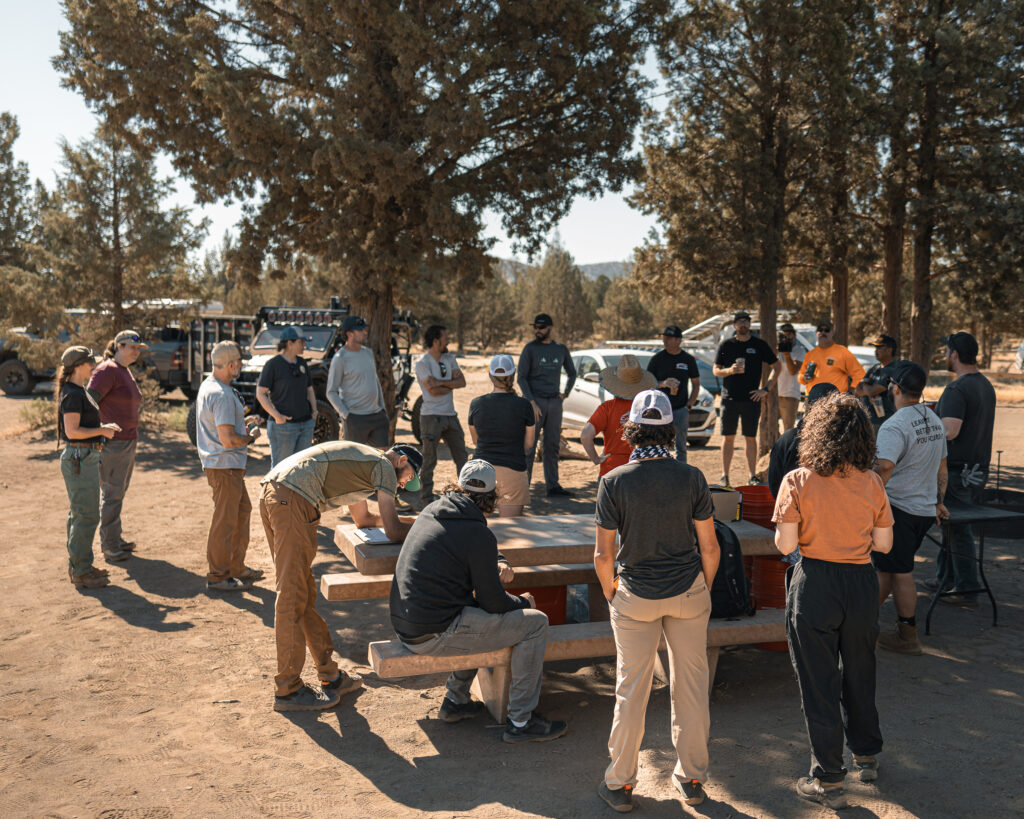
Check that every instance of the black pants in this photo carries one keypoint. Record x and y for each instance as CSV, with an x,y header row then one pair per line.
x,y
550,424
832,625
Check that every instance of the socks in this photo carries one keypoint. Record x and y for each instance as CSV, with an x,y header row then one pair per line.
x,y
908,621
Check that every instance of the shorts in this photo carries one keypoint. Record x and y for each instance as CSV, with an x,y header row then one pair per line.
x,y
908,533
513,486
748,413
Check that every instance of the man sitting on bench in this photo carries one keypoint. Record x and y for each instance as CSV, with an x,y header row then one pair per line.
x,y
447,599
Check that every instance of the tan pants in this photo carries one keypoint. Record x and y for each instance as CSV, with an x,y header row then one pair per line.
x,y
290,522
787,411
228,540
638,624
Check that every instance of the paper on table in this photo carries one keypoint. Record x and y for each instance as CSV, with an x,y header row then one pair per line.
x,y
372,534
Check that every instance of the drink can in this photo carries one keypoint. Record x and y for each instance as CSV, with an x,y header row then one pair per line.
x,y
741,365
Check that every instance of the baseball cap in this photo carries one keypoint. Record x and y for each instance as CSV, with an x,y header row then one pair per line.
x,y
787,328
819,391
651,407
824,326
73,356
742,314
502,364
673,331
478,476
964,345
415,461
910,377
883,341
543,319
353,323
130,337
292,334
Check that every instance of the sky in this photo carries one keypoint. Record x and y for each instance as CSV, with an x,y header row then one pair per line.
x,y
601,230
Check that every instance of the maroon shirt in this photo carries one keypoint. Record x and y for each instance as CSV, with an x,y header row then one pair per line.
x,y
118,396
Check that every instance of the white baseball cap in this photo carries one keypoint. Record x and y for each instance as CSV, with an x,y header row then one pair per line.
x,y
502,364
478,476
652,408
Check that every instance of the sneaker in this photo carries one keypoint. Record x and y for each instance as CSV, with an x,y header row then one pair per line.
x,y
116,555
537,729
343,683
228,584
100,572
962,600
620,799
454,711
90,580
307,699
811,789
557,491
866,767
127,546
251,574
723,481
753,481
902,639
692,791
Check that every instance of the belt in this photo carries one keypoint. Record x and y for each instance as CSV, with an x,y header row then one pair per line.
x,y
98,446
415,641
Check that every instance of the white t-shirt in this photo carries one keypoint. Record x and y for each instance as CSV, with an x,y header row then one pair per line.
x,y
915,440
442,370
789,387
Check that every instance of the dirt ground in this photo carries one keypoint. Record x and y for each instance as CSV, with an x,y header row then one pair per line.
x,y
151,698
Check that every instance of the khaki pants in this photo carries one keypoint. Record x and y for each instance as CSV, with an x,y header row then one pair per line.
x,y
228,540
787,411
290,522
638,624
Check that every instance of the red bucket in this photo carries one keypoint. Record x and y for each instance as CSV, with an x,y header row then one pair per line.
x,y
768,585
550,600
758,505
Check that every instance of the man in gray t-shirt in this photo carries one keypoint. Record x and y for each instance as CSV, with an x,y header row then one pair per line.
x,y
353,388
911,449
439,376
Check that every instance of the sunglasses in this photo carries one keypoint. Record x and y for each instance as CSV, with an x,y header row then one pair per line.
x,y
444,369
132,339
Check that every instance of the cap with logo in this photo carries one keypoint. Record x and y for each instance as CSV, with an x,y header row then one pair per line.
x,y
910,377
353,323
884,341
542,320
627,378
292,334
964,345
415,458
673,331
478,476
651,407
741,315
502,365
73,356
130,337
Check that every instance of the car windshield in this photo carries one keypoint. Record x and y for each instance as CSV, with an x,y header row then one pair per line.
x,y
319,337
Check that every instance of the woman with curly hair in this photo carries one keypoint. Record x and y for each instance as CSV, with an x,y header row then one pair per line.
x,y
834,507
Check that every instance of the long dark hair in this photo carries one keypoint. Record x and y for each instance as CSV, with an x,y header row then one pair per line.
x,y
837,436
486,502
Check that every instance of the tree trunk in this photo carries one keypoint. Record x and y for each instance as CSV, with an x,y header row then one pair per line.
x,y
838,243
116,254
378,308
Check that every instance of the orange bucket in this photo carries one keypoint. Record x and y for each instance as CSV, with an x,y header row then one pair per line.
x,y
550,600
768,585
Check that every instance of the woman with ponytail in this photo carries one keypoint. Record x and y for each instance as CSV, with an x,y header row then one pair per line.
x,y
79,426
502,427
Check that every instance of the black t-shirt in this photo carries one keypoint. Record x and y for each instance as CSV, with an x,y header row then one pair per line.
x,y
500,420
288,384
881,375
756,352
653,505
682,366
75,399
972,399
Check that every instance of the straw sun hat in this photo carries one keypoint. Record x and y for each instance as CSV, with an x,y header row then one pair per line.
x,y
627,378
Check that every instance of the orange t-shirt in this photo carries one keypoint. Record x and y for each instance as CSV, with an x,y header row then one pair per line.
x,y
835,514
608,419
835,364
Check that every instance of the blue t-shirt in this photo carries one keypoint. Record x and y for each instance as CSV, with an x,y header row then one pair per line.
x,y
218,404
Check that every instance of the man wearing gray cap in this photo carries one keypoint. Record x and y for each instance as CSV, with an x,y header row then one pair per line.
x,y
353,388
447,599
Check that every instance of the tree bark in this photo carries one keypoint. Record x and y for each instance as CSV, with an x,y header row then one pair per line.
x,y
377,307
116,254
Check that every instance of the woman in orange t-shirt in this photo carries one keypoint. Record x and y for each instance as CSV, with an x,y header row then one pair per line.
x,y
834,507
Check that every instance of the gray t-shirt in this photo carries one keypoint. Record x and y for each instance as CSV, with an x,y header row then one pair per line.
x,y
653,505
352,384
218,404
442,370
915,440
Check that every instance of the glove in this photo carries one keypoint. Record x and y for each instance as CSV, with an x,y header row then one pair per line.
x,y
972,477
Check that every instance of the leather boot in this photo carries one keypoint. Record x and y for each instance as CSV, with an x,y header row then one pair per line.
x,y
902,639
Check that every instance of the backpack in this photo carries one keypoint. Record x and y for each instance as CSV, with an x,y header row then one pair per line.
x,y
730,591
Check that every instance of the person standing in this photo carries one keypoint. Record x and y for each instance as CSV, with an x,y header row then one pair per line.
x,y
967,408
739,363
294,495
353,388
834,509
222,440
678,377
791,354
653,504
119,397
540,369
84,434
439,376
285,391
624,381
873,389
911,450
830,362
502,426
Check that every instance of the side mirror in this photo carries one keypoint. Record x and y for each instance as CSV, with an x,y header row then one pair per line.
x,y
593,378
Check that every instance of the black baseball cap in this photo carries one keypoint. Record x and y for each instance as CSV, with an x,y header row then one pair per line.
x,y
353,323
819,391
542,320
673,331
788,328
742,314
964,345
910,377
884,341
824,327
415,458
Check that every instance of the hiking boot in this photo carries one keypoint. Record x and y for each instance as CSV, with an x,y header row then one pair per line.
x,y
866,766
116,555
620,799
307,699
251,574
342,684
902,640
833,797
557,491
228,584
100,572
537,729
692,791
90,580
455,711
127,546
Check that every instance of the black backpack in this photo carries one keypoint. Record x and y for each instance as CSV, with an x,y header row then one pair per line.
x,y
730,592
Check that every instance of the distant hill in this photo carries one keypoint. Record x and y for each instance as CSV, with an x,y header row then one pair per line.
x,y
510,267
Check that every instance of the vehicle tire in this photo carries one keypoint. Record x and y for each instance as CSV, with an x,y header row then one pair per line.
x,y
415,422
189,393
697,443
190,424
327,425
15,379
